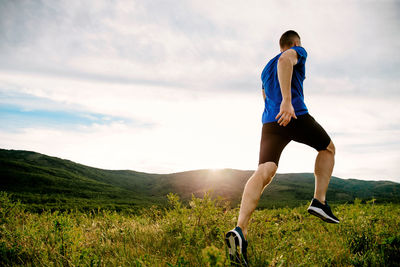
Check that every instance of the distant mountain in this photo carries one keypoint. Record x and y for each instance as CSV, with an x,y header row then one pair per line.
x,y
42,181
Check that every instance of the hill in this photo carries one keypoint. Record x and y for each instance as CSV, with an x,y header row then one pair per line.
x,y
41,181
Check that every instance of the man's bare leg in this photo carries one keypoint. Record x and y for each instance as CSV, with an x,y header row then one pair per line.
x,y
323,170
252,192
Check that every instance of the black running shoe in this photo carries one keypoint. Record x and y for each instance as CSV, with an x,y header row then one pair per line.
x,y
237,247
322,211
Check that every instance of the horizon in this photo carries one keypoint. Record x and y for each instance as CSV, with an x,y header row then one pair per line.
x,y
212,170
159,87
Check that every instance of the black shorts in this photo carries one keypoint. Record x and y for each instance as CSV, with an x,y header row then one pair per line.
x,y
305,129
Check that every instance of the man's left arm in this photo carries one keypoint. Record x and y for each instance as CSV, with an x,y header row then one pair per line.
x,y
285,70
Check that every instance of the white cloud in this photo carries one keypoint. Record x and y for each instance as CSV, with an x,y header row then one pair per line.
x,y
203,130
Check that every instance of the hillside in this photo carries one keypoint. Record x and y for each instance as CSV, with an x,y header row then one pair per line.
x,y
42,181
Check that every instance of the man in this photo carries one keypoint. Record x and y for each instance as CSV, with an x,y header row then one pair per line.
x,y
285,118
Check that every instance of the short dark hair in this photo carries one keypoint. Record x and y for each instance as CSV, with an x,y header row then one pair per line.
x,y
287,39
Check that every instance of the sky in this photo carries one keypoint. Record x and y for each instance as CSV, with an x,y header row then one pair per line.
x,y
168,86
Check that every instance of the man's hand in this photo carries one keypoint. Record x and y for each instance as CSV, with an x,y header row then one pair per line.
x,y
286,113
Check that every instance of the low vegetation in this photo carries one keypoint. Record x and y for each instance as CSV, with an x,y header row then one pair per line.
x,y
193,235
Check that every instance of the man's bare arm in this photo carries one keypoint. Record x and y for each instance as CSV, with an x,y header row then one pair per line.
x,y
285,70
264,96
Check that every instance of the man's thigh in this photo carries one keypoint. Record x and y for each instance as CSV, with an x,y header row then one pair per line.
x,y
305,129
273,141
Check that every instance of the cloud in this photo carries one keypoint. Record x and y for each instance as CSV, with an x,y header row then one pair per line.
x,y
198,130
192,131
195,45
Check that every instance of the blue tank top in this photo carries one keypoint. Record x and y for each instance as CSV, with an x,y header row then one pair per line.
x,y
270,84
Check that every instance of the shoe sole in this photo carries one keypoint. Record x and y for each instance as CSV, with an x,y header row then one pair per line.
x,y
233,243
321,214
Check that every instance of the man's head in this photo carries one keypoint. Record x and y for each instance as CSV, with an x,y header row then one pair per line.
x,y
289,39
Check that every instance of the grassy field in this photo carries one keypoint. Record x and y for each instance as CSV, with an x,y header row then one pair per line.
x,y
194,236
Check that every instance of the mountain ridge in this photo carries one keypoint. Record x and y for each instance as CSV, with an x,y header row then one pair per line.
x,y
42,181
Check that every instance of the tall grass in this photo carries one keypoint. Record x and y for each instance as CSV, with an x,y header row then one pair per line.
x,y
193,235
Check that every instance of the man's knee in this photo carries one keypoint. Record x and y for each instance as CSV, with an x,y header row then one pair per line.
x,y
267,171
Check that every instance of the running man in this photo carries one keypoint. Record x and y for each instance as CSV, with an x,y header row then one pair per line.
x,y
285,118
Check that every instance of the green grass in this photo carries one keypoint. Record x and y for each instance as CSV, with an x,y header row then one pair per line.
x,y
193,235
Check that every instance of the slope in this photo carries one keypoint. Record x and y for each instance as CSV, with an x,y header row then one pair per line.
x,y
42,181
